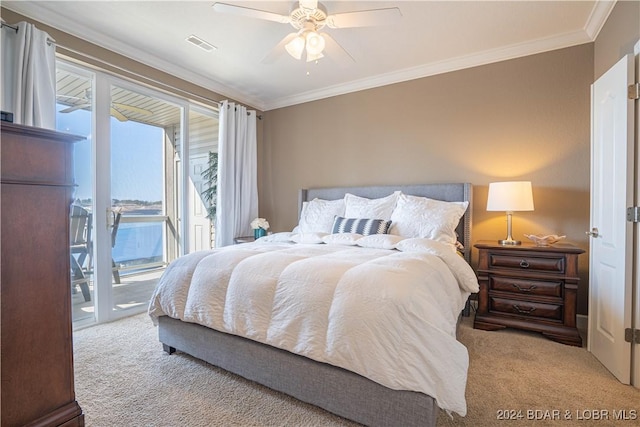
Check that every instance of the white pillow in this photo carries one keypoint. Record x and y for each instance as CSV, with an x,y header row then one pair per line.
x,y
427,218
418,244
379,241
361,207
349,239
308,237
317,215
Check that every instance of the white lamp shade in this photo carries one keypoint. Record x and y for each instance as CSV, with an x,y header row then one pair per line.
x,y
296,46
315,43
510,196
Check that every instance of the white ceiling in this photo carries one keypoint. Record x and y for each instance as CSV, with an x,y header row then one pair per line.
x,y
431,37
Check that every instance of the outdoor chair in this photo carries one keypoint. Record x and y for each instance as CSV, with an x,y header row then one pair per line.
x,y
116,214
81,249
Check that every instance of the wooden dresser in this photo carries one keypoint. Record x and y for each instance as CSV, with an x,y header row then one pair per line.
x,y
36,348
529,287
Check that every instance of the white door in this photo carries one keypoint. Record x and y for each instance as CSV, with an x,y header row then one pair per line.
x,y
612,187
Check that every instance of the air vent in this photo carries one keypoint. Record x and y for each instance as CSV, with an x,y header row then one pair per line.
x,y
193,39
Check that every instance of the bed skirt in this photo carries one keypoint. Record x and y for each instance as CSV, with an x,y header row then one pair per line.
x,y
334,389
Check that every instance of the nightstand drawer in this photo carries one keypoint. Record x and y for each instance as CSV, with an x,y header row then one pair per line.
x,y
526,308
524,286
548,264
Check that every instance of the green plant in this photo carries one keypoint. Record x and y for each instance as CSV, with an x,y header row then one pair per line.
x,y
210,175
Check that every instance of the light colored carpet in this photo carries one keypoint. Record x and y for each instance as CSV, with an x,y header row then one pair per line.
x,y
123,378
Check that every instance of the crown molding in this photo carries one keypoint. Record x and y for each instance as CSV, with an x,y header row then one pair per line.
x,y
468,61
598,17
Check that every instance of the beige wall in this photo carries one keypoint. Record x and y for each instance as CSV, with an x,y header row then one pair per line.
x,y
617,37
522,119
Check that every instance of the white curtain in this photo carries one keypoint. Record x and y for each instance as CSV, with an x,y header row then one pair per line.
x,y
237,203
31,76
9,36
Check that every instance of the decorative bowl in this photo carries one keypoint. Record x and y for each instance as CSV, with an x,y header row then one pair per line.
x,y
544,240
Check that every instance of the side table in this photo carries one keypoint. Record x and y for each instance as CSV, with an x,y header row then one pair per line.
x,y
529,287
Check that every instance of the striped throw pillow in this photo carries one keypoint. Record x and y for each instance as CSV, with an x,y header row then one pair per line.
x,y
362,226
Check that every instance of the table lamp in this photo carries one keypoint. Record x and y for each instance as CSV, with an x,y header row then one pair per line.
x,y
510,197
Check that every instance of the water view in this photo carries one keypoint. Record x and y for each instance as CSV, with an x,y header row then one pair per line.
x,y
136,243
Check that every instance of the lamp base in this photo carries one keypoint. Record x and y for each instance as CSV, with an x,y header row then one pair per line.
x,y
509,242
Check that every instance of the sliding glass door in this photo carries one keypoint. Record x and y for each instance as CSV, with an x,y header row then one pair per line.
x,y
143,131
129,218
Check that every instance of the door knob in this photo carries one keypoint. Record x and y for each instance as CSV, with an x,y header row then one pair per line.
x,y
593,232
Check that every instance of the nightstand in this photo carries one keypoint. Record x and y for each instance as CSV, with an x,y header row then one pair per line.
x,y
529,287
244,239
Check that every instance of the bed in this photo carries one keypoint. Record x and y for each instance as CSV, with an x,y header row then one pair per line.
x,y
332,372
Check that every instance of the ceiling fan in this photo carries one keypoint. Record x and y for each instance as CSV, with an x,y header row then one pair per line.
x,y
308,17
115,106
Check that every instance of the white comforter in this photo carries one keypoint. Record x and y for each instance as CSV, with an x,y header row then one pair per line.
x,y
385,314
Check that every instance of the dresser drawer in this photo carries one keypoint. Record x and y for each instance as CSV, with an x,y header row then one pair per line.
x,y
526,308
547,264
526,287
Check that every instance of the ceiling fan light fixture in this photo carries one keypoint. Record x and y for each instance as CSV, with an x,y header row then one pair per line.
x,y
308,17
296,46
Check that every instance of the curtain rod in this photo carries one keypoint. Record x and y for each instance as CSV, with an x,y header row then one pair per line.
x,y
15,28
4,24
189,93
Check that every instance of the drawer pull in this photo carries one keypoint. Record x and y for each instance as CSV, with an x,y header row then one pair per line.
x,y
521,289
522,311
524,263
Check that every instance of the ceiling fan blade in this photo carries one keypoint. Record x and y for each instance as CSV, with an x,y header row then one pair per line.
x,y
75,107
278,50
365,18
250,13
335,51
118,115
71,97
132,109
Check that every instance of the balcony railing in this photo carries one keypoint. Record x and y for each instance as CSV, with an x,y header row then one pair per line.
x,y
140,243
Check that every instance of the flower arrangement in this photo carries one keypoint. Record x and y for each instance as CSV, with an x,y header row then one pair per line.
x,y
260,227
260,223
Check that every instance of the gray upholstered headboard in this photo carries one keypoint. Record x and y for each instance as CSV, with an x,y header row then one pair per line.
x,y
455,192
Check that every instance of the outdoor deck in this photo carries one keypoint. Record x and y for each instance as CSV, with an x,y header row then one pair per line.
x,y
133,293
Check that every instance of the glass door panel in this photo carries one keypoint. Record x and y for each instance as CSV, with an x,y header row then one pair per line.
x,y
143,131
74,111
